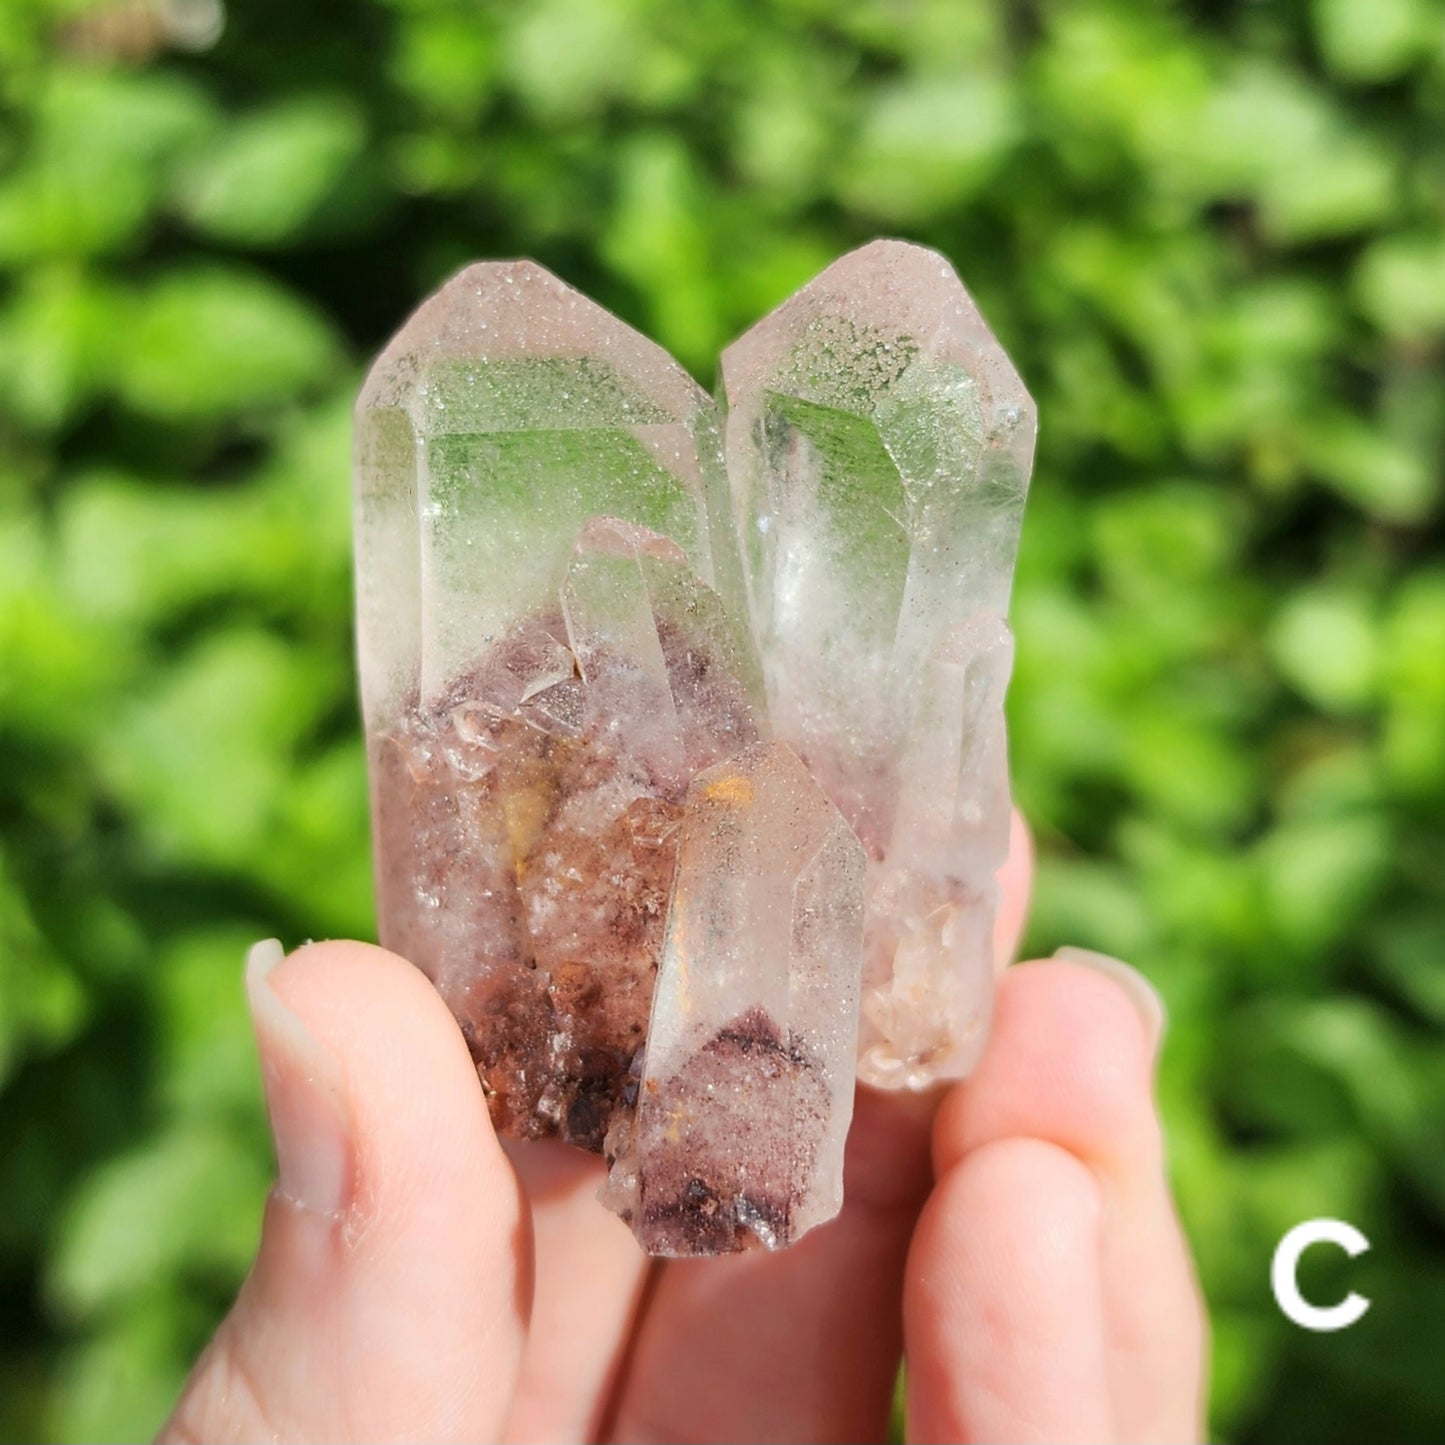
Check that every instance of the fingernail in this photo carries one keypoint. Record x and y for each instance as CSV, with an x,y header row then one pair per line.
x,y
1144,996
305,1096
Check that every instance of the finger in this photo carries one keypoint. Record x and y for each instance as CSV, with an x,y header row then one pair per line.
x,y
802,1345
1071,1063
1004,1309
390,1294
1015,884
590,1277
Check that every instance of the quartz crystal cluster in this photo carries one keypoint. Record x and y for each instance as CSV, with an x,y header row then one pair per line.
x,y
685,716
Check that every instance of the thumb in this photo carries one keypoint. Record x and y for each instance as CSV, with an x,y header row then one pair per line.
x,y
390,1295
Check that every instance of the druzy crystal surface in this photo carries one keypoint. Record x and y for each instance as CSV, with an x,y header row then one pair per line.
x,y
685,717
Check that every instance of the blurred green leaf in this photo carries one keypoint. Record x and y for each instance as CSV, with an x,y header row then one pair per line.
x,y
261,181
1415,685
104,144
1164,546
211,1071
655,241
783,137
136,553
53,664
1326,643
1268,135
121,1382
208,752
1122,86
214,342
1396,1088
447,63
1401,284
1409,951
568,60
41,1002
1388,476
321,815
1415,641
1320,875
1336,781
57,339
137,1220
1374,40
1088,905
929,143
1192,771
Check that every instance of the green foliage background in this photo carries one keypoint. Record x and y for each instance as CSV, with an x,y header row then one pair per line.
x,y
1212,236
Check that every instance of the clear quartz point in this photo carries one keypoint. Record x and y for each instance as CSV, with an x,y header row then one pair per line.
x,y
878,445
507,413
746,1089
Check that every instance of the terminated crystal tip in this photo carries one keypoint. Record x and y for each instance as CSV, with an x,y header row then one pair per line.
x,y
878,445
507,412
657,697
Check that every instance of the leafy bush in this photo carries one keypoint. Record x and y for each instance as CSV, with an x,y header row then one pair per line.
x,y
1213,238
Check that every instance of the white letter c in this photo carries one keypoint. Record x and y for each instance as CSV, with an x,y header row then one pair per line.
x,y
1283,1275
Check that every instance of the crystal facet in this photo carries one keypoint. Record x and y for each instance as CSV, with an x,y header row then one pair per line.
x,y
655,699
878,444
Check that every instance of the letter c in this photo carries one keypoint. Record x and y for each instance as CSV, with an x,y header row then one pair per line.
x,y
1283,1275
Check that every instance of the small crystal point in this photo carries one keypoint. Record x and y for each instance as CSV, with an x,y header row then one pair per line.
x,y
746,1086
878,445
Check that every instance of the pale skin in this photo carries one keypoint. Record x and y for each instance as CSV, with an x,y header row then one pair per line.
x,y
419,1280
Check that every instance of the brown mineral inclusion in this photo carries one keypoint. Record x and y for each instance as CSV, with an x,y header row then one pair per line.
x,y
551,832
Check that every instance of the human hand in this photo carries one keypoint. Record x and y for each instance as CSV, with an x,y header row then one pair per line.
x,y
418,1281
